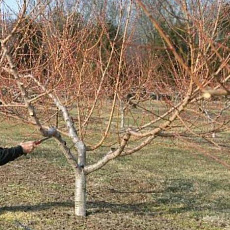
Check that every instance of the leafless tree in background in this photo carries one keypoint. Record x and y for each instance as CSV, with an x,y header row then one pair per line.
x,y
72,66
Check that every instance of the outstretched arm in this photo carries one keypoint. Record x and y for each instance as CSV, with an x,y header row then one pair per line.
x,y
10,154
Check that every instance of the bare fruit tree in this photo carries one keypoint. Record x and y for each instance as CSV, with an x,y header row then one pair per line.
x,y
88,76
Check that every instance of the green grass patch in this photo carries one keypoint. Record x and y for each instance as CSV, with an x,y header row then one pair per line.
x,y
161,187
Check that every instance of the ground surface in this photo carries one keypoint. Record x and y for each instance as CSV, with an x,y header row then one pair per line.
x,y
161,187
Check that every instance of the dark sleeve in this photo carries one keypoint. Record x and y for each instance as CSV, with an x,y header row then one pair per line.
x,y
10,154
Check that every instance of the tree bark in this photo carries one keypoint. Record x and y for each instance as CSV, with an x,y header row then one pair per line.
x,y
80,181
80,192
122,112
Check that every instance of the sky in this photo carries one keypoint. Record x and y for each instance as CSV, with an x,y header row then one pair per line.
x,y
13,4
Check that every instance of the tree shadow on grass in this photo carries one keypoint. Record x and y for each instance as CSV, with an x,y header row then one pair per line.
x,y
145,208
37,207
92,206
177,196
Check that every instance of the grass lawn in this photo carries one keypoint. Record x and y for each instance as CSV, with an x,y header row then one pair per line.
x,y
160,187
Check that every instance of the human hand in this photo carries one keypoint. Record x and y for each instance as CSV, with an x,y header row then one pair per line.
x,y
28,146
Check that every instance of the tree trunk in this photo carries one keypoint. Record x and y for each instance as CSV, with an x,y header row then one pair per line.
x,y
122,112
80,181
80,192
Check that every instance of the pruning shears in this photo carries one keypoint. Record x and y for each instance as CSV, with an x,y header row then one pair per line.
x,y
41,140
